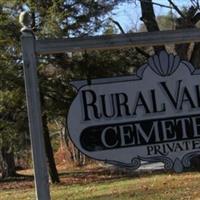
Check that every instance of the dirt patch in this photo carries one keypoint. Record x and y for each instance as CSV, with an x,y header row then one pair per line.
x,y
91,176
73,176
19,182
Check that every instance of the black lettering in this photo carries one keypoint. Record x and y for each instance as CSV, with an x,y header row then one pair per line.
x,y
122,103
198,94
105,108
149,150
140,102
173,100
157,150
89,101
186,98
178,147
195,144
170,147
154,103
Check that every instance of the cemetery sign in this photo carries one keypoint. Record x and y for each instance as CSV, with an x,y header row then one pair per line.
x,y
152,116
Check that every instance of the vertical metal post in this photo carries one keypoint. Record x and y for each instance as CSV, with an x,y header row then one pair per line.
x,y
34,115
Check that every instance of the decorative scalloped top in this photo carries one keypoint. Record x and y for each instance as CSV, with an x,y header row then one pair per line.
x,y
164,64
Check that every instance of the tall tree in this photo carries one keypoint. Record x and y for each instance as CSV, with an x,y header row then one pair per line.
x,y
50,19
149,19
12,109
187,17
58,19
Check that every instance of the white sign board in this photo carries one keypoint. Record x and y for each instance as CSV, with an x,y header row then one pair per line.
x,y
152,116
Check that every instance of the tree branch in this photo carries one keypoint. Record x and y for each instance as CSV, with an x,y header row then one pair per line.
x,y
149,19
122,31
195,55
176,8
196,18
195,3
118,25
157,4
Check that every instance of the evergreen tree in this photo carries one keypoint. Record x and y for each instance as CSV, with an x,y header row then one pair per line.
x,y
12,101
50,19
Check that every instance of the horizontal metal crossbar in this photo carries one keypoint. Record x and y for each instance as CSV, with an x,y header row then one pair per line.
x,y
50,46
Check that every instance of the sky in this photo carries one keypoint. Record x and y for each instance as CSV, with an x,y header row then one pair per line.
x,y
128,14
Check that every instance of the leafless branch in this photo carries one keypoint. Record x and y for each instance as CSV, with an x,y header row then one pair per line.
x,y
149,19
118,25
157,4
195,3
176,8
122,31
196,18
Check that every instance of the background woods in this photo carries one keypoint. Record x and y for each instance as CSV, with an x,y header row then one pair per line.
x,y
74,18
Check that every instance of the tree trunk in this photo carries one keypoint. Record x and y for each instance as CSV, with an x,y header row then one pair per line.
x,y
8,163
78,157
149,19
195,57
182,49
49,152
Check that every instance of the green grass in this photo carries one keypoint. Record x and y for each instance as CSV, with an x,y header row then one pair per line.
x,y
148,187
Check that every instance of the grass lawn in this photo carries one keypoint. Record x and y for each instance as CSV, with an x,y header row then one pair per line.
x,y
107,186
